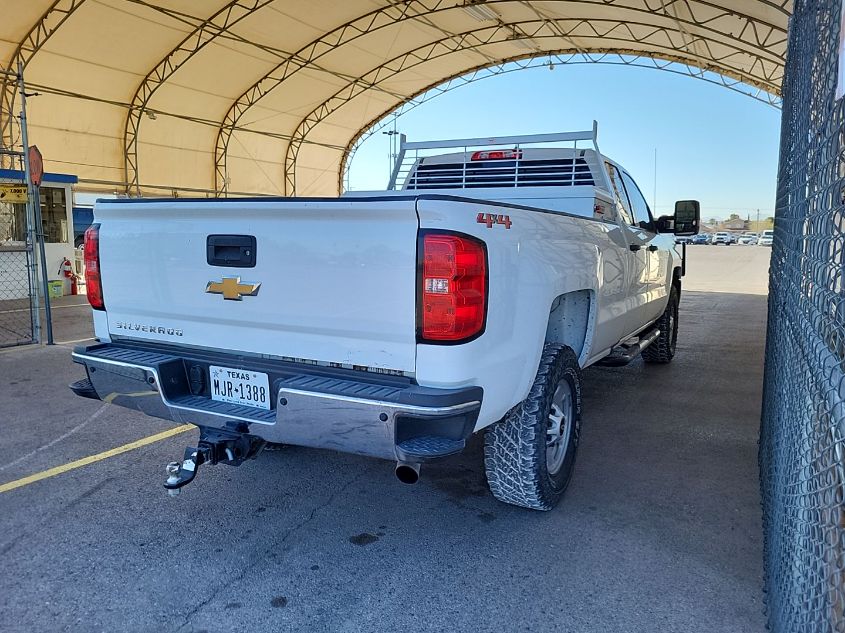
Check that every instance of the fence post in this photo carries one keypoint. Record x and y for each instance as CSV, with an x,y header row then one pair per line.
x,y
36,231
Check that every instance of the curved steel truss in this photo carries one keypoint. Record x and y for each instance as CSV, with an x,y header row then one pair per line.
x,y
203,34
690,25
603,36
740,44
305,57
550,61
55,16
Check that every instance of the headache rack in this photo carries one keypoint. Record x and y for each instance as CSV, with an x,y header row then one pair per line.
x,y
510,168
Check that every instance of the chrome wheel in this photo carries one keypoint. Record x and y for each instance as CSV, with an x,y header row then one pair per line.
x,y
560,426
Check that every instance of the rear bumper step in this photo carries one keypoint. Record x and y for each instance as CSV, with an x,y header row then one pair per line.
x,y
84,389
344,410
427,447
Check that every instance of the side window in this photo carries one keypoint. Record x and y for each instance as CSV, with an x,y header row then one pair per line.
x,y
619,193
642,215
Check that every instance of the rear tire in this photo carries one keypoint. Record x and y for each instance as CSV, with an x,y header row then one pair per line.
x,y
529,454
662,350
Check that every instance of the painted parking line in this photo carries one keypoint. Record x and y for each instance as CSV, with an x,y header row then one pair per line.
x,y
91,459
76,340
55,441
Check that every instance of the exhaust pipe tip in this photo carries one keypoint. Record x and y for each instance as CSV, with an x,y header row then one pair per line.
x,y
407,473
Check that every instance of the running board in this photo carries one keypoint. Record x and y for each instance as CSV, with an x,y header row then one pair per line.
x,y
624,354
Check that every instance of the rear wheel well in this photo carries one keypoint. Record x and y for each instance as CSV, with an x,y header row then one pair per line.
x,y
570,322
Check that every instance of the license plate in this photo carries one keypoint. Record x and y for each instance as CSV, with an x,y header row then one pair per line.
x,y
240,386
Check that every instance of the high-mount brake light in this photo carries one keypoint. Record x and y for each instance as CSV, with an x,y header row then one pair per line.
x,y
499,154
93,283
453,287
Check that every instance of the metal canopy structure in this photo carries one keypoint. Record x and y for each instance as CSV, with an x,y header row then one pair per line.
x,y
232,97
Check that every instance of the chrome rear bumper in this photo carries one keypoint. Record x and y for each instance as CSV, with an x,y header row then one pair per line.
x,y
344,410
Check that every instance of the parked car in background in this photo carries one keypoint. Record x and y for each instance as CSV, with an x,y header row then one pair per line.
x,y
682,239
701,238
722,237
748,238
766,238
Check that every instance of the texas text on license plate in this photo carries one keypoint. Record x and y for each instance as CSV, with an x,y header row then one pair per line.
x,y
240,386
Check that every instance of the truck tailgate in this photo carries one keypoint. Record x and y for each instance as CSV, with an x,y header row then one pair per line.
x,y
337,278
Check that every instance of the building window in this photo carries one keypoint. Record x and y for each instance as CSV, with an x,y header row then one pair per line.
x,y
12,222
54,214
53,218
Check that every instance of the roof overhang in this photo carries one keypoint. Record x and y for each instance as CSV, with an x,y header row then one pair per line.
x,y
268,96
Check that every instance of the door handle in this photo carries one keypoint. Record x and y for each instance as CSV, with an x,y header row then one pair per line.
x,y
652,247
634,247
230,251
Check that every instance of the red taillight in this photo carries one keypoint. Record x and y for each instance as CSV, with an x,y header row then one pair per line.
x,y
453,287
503,154
93,284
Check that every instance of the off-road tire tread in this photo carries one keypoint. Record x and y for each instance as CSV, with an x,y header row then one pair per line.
x,y
660,351
515,447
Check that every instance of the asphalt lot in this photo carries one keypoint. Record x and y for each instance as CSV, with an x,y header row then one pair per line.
x,y
659,531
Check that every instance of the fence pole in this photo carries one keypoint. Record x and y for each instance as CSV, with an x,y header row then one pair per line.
x,y
36,227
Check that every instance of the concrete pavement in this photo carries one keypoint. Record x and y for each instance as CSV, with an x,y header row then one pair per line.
x,y
660,529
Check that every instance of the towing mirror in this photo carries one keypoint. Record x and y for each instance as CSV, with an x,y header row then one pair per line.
x,y
665,224
687,217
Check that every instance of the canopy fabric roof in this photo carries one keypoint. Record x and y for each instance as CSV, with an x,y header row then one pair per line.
x,y
267,96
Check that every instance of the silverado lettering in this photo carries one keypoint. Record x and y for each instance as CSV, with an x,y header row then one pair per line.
x,y
153,329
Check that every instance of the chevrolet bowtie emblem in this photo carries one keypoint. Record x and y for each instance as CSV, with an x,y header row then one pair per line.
x,y
232,288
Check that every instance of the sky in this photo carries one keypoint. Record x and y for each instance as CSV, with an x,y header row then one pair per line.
x,y
713,144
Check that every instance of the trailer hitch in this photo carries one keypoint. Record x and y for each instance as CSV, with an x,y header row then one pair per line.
x,y
214,447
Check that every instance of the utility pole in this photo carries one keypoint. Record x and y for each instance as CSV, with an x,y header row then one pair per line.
x,y
35,235
391,157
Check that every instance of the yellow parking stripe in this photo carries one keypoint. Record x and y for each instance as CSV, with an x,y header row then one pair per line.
x,y
79,463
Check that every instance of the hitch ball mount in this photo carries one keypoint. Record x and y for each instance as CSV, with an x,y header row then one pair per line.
x,y
214,447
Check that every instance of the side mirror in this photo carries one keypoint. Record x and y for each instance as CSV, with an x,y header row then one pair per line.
x,y
687,217
665,224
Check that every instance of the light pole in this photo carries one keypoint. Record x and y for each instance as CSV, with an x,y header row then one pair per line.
x,y
391,158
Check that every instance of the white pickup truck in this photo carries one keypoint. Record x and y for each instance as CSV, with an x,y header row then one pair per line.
x,y
395,324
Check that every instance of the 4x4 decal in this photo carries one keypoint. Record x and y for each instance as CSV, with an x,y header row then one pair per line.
x,y
491,218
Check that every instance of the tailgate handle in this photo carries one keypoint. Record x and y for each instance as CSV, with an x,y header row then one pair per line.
x,y
236,251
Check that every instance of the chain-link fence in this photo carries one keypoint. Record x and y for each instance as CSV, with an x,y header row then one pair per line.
x,y
16,311
802,451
